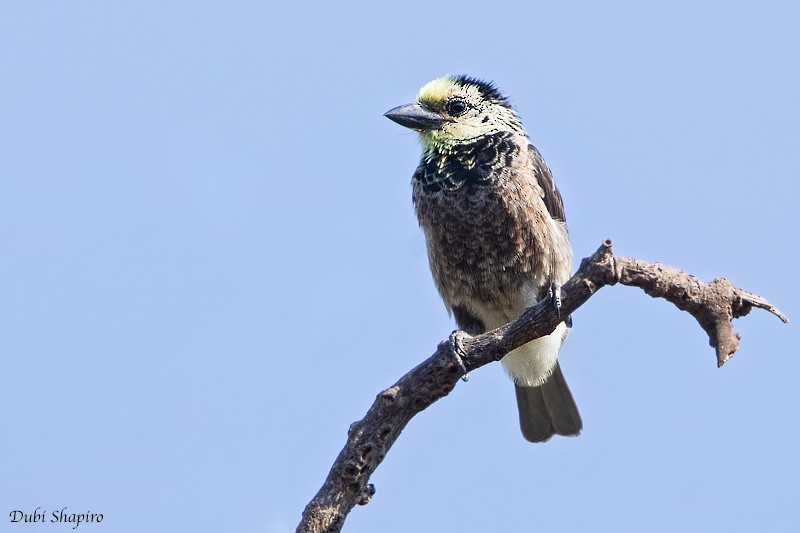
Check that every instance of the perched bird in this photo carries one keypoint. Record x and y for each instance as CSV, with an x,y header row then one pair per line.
x,y
496,233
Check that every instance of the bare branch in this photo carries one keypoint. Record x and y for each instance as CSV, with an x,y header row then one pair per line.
x,y
714,305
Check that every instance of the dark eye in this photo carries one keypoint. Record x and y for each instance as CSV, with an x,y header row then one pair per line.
x,y
456,108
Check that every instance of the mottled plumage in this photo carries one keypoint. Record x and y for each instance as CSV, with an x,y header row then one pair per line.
x,y
495,230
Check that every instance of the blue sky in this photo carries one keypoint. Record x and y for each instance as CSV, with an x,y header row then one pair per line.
x,y
210,262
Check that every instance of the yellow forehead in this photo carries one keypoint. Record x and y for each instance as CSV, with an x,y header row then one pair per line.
x,y
439,90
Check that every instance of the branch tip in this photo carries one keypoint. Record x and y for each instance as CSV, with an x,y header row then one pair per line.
x,y
755,300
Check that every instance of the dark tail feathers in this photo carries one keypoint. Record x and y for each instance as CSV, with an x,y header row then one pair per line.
x,y
548,409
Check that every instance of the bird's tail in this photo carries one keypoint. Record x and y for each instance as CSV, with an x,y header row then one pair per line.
x,y
548,409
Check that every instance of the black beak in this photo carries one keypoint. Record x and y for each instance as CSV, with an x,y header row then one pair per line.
x,y
415,116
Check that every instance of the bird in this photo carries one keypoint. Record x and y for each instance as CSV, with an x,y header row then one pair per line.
x,y
496,233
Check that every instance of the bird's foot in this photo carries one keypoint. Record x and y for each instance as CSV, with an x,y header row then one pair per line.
x,y
455,348
555,297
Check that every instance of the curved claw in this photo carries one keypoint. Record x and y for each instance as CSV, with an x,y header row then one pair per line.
x,y
555,297
455,347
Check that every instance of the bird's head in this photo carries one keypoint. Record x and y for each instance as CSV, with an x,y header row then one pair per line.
x,y
457,110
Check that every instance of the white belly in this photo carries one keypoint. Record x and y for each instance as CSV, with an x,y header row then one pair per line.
x,y
532,363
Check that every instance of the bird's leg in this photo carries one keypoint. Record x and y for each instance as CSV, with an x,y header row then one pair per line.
x,y
455,348
555,297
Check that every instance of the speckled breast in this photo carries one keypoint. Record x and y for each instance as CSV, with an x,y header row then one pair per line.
x,y
483,225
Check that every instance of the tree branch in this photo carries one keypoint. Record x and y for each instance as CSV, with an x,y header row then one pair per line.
x,y
714,305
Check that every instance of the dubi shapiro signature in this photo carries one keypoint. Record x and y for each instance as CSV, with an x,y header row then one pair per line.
x,y
62,516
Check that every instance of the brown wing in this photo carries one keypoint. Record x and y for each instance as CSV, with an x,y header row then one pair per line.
x,y
467,321
550,194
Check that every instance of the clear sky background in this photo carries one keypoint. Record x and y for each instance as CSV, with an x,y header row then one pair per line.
x,y
210,264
